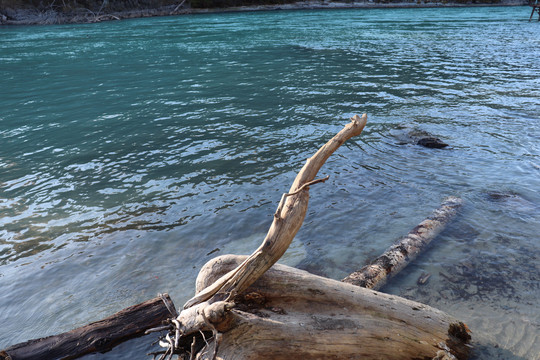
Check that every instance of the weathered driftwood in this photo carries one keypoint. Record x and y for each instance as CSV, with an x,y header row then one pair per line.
x,y
286,313
288,219
396,257
99,336
292,314
254,302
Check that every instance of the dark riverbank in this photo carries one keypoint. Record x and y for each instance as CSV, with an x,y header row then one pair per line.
x,y
14,12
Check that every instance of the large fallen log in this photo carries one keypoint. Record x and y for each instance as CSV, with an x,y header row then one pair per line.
x,y
393,260
292,314
99,336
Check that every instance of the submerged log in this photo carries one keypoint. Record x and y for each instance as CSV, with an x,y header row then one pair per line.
x,y
99,336
393,260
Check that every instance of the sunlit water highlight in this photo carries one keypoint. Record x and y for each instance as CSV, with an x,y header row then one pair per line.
x,y
130,150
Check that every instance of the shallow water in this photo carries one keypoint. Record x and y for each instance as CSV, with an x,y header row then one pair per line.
x,y
130,150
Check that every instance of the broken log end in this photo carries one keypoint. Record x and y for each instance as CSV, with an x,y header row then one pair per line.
x,y
99,336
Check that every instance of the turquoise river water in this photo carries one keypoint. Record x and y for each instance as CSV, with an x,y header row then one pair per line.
x,y
130,150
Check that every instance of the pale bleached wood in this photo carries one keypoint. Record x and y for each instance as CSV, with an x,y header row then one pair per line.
x,y
287,221
258,311
396,257
288,313
292,314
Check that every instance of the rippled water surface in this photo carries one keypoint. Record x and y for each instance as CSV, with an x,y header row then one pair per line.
x,y
132,149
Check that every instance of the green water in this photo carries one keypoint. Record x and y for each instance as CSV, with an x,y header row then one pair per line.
x,y
132,149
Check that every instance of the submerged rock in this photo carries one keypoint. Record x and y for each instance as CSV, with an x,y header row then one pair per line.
x,y
500,195
432,142
416,136
512,200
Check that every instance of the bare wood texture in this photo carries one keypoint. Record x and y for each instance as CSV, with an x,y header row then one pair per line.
x,y
395,258
287,221
289,313
257,310
99,336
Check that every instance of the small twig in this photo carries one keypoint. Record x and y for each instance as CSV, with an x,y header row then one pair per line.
x,y
231,296
158,329
305,186
217,341
215,335
91,12
102,5
206,342
204,337
192,354
155,353
170,341
162,357
176,331
154,343
312,182
169,305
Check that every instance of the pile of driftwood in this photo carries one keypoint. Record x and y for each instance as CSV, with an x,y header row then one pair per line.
x,y
246,307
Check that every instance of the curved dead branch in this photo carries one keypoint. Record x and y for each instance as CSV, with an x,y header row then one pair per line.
x,y
287,221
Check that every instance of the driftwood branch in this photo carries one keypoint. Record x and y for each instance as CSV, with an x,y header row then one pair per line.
x,y
286,224
393,260
256,312
248,308
257,297
99,336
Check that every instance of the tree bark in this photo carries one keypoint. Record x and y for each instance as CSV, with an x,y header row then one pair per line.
x,y
396,257
99,336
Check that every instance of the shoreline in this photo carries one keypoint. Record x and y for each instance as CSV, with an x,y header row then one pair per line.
x,y
33,16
